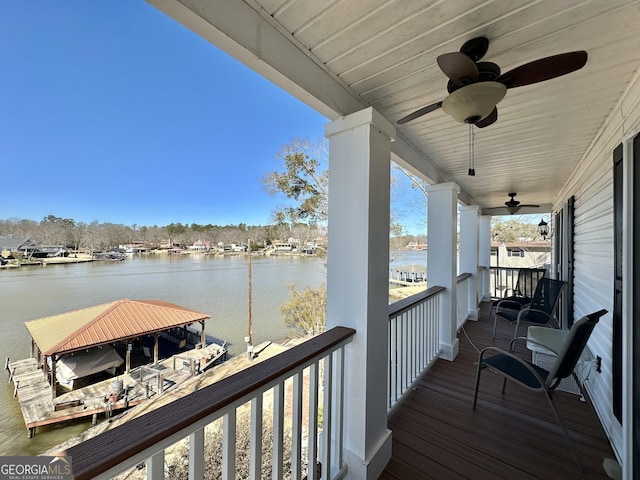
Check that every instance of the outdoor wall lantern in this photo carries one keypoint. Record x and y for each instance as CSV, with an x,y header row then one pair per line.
x,y
543,229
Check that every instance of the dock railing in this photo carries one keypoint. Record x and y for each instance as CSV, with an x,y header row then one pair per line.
x,y
313,370
413,342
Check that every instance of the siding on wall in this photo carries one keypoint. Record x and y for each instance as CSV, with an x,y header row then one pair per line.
x,y
592,186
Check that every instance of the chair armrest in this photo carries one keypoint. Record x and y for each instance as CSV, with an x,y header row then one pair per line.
x,y
529,341
504,303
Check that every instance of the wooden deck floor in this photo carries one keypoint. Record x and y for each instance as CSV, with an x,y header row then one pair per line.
x,y
437,435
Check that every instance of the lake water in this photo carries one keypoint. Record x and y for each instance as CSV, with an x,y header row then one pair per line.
x,y
213,285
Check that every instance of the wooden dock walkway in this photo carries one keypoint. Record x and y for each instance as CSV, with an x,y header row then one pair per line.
x,y
139,385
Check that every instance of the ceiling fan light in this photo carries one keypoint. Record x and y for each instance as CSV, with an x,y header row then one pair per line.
x,y
513,209
474,102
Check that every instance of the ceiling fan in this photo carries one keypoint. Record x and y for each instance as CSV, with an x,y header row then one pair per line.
x,y
475,88
513,206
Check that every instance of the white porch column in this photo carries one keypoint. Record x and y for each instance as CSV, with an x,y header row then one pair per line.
x,y
484,256
441,260
358,280
469,225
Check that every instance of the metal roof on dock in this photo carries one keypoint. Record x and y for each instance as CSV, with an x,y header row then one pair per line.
x,y
106,323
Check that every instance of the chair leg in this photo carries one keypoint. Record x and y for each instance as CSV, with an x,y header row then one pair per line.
x,y
564,429
515,333
475,391
495,322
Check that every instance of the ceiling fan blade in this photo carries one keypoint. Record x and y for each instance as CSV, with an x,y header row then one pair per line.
x,y
533,206
476,48
544,69
459,68
488,120
419,113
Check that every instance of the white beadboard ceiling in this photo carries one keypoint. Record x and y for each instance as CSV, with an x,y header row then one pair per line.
x,y
342,55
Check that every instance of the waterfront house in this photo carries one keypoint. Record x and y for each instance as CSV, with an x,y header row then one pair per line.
x,y
11,245
568,144
48,251
200,246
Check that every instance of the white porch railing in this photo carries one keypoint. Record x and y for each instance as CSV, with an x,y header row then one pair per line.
x,y
413,342
143,440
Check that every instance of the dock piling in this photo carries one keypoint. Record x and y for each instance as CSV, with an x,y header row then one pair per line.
x,y
15,389
6,364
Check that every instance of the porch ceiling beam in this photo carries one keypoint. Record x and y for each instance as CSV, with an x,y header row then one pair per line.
x,y
249,34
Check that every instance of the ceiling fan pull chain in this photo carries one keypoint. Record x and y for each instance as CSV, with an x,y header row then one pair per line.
x,y
472,170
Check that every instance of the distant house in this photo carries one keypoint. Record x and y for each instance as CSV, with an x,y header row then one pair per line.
x,y
283,246
520,254
50,251
239,247
11,245
200,246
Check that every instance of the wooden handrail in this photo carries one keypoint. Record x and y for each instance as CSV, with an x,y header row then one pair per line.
x,y
462,277
112,447
401,306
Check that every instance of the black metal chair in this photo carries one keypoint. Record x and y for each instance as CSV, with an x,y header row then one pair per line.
x,y
536,378
525,285
540,310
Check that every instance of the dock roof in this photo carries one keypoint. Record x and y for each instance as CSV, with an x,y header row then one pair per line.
x,y
107,323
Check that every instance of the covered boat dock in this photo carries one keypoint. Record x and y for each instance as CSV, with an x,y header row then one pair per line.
x,y
61,343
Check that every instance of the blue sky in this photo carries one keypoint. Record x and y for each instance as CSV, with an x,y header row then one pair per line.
x,y
111,111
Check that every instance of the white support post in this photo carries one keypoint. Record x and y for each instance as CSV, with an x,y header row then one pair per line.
x,y
469,260
358,280
441,260
484,256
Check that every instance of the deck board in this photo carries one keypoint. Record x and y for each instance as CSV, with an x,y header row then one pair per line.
x,y
436,433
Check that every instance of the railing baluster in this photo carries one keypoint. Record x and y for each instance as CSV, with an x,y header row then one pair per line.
x,y
327,417
312,473
338,407
278,431
155,466
229,446
296,427
196,455
255,443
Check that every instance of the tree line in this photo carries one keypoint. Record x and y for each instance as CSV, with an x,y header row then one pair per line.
x,y
95,236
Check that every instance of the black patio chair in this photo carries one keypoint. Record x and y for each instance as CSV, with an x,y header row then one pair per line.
x,y
536,378
525,286
540,310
